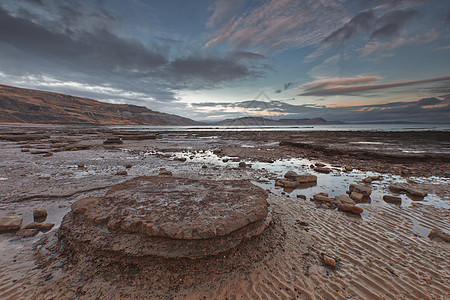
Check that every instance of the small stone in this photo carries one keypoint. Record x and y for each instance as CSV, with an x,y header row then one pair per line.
x,y
80,166
362,189
10,223
356,196
40,214
306,178
128,166
48,154
122,173
396,188
164,172
439,235
113,140
320,165
290,175
323,170
27,232
392,199
301,197
351,208
242,164
415,192
367,180
348,168
329,261
182,159
289,184
204,166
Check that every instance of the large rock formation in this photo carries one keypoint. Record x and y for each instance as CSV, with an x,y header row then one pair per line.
x,y
167,217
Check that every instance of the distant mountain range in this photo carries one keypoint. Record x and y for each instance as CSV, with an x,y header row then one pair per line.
x,y
19,105
260,121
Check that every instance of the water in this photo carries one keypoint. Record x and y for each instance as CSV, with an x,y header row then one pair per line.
x,y
339,127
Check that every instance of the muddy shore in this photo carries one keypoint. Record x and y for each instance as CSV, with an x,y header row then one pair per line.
x,y
384,253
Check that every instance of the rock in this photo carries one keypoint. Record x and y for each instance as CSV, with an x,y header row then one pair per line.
x,y
362,189
351,208
291,175
348,168
301,197
367,180
306,178
39,215
44,227
48,154
416,192
80,166
128,166
225,160
204,167
242,164
356,196
438,235
392,199
113,140
402,188
320,197
122,173
322,170
396,188
27,232
323,194
182,159
169,217
329,261
39,152
164,172
375,177
8,223
289,184
344,199
320,165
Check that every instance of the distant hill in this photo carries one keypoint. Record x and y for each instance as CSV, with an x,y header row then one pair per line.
x,y
19,105
260,121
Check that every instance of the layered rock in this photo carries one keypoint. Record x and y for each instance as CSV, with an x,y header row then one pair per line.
x,y
168,217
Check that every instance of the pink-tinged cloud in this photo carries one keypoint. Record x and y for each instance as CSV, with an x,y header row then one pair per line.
x,y
346,86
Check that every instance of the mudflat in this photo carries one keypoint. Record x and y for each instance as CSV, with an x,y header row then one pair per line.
x,y
224,214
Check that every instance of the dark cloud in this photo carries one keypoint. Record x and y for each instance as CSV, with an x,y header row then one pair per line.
x,y
362,21
346,86
246,55
391,23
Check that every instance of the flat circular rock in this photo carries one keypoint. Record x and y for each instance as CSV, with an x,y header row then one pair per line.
x,y
168,216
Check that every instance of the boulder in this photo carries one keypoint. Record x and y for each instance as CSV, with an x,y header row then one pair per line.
x,y
323,170
306,178
321,197
8,223
392,199
44,227
291,175
361,189
416,192
242,164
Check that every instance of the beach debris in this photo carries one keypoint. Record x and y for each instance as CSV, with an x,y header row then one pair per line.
x,y
169,217
26,233
392,199
438,235
351,208
9,223
361,189
331,262
39,215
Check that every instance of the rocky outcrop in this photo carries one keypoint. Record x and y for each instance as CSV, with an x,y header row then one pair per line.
x,y
8,223
168,217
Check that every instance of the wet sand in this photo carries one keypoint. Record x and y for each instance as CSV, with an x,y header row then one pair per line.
x,y
385,253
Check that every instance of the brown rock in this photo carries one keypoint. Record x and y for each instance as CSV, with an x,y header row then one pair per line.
x,y
164,172
291,175
306,178
329,261
44,227
344,199
367,180
351,208
348,168
362,189
8,223
113,140
322,170
128,166
439,235
392,199
416,192
320,197
27,232
356,196
122,173
301,197
40,214
242,164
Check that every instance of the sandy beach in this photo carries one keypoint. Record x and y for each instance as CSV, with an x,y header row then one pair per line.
x,y
309,248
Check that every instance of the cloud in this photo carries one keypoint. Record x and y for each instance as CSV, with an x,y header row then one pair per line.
x,y
223,12
391,23
278,25
238,55
362,21
353,86
431,110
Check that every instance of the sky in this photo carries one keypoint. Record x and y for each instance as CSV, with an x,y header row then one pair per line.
x,y
365,60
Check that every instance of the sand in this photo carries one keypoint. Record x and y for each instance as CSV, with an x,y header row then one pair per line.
x,y
384,254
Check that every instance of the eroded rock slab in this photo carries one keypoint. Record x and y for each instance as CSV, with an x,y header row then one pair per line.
x,y
168,217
